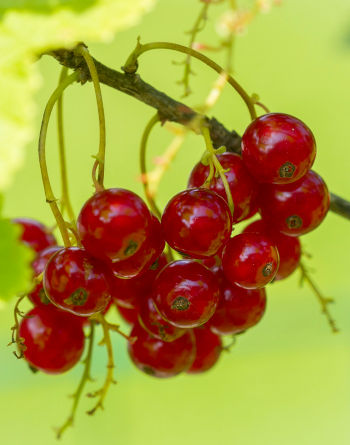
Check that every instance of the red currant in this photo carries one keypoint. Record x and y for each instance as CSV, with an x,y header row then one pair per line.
x,y
128,314
208,350
297,208
186,293
35,235
113,224
278,148
75,281
158,358
243,188
54,340
238,309
197,222
250,260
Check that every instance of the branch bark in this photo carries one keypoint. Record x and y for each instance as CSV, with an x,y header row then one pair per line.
x,y
169,109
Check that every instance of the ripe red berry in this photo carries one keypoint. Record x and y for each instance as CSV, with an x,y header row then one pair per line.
x,y
154,324
238,309
35,235
208,350
289,248
243,187
250,260
186,293
129,315
278,148
158,358
297,208
197,222
54,340
113,224
75,281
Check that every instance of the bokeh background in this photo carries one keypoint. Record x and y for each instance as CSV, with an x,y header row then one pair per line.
x,y
287,380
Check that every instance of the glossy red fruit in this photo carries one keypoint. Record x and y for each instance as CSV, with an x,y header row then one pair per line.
x,y
250,260
197,222
130,315
278,148
143,259
158,358
238,309
243,187
289,248
37,296
75,281
113,224
54,340
297,208
35,235
208,350
186,293
154,324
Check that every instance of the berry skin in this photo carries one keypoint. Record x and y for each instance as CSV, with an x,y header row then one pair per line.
x,y
243,187
54,340
74,281
35,235
113,224
197,222
37,296
154,324
250,260
238,309
297,208
150,250
186,293
289,248
128,315
278,148
208,350
158,358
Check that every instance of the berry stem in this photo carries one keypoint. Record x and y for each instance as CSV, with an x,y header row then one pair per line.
x,y
84,378
50,198
100,157
131,66
65,200
15,330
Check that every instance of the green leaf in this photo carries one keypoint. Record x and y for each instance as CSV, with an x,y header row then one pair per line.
x,y
15,260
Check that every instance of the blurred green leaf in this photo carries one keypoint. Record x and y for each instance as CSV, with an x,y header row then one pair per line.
x,y
44,6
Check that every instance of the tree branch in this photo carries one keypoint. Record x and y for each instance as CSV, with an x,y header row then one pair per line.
x,y
169,109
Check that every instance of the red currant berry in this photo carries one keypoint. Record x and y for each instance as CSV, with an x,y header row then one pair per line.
x,y
128,314
54,340
113,224
197,222
74,281
154,324
278,148
208,350
150,250
297,208
158,358
250,260
37,296
186,293
238,309
289,248
35,235
243,188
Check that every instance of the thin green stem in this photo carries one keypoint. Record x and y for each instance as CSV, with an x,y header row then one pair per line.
x,y
50,198
101,115
131,66
143,148
65,200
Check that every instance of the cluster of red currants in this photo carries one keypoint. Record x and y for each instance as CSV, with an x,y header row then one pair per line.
x,y
179,309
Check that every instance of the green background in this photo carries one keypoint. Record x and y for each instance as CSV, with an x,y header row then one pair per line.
x,y
287,380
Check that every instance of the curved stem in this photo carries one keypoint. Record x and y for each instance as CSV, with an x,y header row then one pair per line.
x,y
101,115
50,198
65,201
143,147
131,66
